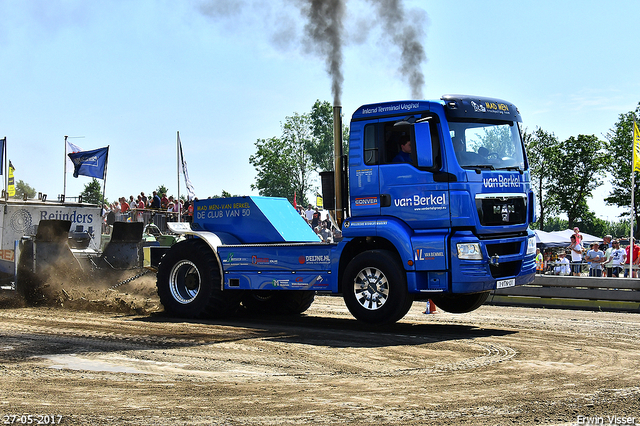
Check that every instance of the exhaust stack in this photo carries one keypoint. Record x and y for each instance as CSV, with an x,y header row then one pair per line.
x,y
338,155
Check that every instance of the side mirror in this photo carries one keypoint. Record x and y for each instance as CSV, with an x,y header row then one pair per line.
x,y
424,151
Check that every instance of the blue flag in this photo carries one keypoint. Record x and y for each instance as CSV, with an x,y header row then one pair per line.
x,y
90,163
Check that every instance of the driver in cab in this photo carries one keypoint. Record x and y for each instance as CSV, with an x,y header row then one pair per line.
x,y
404,156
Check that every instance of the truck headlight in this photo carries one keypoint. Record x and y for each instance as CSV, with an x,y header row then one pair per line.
x,y
469,251
531,245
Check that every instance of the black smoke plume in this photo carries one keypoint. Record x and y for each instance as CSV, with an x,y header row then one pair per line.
x,y
324,32
406,31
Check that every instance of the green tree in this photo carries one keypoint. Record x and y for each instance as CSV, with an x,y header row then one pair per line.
x,y
321,146
619,145
274,166
283,164
297,134
92,192
225,194
288,164
542,152
554,223
23,188
162,190
584,160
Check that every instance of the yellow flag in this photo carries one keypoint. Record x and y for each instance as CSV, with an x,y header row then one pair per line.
x,y
12,187
636,147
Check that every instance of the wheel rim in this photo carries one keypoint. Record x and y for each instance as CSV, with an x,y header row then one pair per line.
x,y
184,282
371,288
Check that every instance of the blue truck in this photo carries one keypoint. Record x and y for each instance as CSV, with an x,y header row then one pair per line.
x,y
447,220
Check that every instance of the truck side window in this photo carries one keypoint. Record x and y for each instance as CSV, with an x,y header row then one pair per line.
x,y
370,146
394,136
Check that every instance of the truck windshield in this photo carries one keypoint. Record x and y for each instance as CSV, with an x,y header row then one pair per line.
x,y
491,145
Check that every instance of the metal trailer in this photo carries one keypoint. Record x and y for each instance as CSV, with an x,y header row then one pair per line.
x,y
42,240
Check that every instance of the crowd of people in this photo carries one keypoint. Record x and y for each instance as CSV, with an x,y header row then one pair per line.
x,y
155,201
140,207
322,227
606,259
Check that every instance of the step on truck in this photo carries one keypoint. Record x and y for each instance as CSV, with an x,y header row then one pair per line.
x,y
433,201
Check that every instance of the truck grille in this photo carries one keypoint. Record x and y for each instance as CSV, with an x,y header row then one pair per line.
x,y
504,249
501,211
505,269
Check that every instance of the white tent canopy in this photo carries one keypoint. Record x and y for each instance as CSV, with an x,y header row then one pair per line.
x,y
562,238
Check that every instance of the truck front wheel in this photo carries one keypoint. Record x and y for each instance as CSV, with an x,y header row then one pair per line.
x,y
189,283
374,288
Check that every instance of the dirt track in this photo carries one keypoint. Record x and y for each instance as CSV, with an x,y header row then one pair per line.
x,y
497,365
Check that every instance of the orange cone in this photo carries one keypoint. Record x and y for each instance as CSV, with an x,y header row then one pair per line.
x,y
431,307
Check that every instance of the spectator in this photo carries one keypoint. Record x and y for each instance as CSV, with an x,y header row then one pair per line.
x,y
144,199
140,208
604,247
606,243
124,206
308,214
614,258
177,206
325,233
190,210
562,266
595,257
315,220
576,233
155,202
636,261
164,201
539,262
576,255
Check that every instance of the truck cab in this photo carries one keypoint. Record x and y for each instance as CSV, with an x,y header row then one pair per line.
x,y
457,208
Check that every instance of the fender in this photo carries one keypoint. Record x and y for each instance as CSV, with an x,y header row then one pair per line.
x,y
213,240
394,230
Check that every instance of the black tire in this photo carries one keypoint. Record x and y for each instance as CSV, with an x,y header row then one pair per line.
x,y
279,302
28,285
374,287
460,303
189,283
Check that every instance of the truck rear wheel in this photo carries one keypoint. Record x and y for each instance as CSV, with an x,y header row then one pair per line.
x,y
460,303
278,302
189,283
374,287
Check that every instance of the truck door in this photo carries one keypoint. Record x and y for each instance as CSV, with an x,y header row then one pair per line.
x,y
414,187
364,159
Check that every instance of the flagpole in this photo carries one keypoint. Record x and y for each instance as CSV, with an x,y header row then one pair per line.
x,y
633,185
6,168
631,244
178,173
104,180
64,188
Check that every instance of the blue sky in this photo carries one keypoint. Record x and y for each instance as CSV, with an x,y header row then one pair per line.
x,y
129,74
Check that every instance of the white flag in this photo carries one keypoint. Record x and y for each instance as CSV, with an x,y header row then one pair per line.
x,y
187,182
71,148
